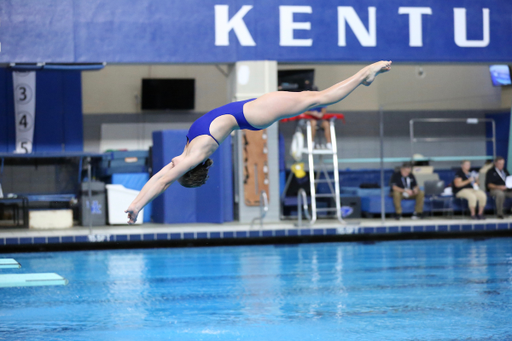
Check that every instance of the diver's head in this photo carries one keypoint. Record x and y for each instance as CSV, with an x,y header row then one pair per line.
x,y
197,176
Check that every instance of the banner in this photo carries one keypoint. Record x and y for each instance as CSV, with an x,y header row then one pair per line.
x,y
226,31
24,84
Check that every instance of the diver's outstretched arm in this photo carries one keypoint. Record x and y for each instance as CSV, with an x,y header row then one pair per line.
x,y
158,184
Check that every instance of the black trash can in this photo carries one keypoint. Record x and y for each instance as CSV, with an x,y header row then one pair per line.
x,y
355,203
95,211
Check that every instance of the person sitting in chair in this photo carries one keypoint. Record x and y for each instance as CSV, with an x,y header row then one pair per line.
x,y
404,186
495,182
465,187
324,124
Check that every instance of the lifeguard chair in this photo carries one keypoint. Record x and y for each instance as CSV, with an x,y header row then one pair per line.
x,y
315,176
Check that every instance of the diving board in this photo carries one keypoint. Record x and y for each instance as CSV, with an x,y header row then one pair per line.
x,y
9,263
31,280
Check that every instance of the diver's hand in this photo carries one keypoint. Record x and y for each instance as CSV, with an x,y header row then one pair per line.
x,y
132,214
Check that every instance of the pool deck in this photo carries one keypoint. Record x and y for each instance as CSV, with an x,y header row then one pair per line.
x,y
236,233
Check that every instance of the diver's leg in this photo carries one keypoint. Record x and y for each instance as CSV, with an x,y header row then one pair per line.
x,y
274,106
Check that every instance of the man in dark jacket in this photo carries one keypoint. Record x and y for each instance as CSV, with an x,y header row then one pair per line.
x,y
404,186
495,181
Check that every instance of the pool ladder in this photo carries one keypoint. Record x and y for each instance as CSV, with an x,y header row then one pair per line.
x,y
263,209
302,200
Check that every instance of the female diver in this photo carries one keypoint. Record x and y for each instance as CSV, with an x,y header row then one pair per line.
x,y
206,133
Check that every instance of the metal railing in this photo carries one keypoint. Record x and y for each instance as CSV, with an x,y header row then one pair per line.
x,y
414,139
302,198
263,209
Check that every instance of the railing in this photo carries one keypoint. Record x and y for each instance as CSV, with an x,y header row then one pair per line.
x,y
263,209
302,198
415,139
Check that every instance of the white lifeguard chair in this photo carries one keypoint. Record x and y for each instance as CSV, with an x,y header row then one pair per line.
x,y
315,176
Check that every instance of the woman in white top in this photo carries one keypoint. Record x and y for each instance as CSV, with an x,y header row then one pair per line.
x,y
465,187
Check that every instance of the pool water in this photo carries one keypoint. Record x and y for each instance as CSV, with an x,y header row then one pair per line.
x,y
457,289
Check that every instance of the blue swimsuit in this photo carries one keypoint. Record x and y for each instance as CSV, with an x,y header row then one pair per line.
x,y
202,125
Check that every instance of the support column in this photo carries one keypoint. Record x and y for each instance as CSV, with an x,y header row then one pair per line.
x,y
250,79
509,156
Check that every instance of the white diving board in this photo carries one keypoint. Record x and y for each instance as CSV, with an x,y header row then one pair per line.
x,y
31,280
9,263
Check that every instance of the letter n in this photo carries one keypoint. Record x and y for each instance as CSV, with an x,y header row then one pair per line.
x,y
347,15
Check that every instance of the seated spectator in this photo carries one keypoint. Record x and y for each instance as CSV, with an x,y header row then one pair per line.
x,y
465,187
404,186
320,112
495,183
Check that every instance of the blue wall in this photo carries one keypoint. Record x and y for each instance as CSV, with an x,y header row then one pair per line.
x,y
58,124
185,31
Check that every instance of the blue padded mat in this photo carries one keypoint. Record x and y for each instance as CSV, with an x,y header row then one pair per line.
x,y
210,203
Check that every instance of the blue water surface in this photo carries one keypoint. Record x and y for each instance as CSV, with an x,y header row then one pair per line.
x,y
457,289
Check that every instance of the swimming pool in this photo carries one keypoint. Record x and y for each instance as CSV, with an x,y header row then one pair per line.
x,y
448,289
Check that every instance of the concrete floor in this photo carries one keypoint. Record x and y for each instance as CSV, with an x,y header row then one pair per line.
x,y
351,226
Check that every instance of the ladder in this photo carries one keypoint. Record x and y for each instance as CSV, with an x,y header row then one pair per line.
x,y
315,176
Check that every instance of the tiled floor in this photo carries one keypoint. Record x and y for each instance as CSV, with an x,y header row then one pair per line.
x,y
150,232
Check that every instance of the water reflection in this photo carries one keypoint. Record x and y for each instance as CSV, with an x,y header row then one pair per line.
x,y
261,285
338,270
127,287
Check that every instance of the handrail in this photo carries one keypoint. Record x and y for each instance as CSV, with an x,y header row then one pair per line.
x,y
263,209
302,195
408,159
414,139
89,194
